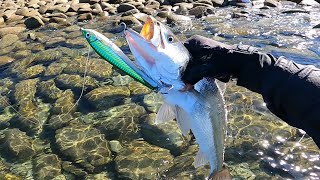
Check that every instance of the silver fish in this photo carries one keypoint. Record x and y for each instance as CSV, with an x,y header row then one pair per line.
x,y
163,57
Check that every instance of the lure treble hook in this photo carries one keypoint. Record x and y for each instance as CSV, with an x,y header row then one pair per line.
x,y
124,25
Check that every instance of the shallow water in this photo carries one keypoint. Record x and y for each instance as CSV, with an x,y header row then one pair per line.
x,y
102,136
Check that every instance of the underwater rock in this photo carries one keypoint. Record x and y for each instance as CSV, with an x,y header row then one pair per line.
x,y
200,11
183,166
47,56
28,118
166,135
75,82
58,121
121,80
115,146
96,68
32,72
25,90
136,88
84,145
123,129
16,145
153,101
140,160
71,168
49,91
127,110
108,96
55,69
47,166
65,104
242,170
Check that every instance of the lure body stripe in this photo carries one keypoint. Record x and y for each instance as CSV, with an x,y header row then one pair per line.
x,y
111,53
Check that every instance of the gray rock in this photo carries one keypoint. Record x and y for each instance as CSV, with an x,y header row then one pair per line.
x,y
219,2
152,102
58,121
8,40
11,30
130,12
33,22
291,11
115,146
200,11
178,19
317,26
85,16
271,3
130,20
125,7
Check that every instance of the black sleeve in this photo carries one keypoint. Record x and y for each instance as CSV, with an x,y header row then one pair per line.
x,y
290,90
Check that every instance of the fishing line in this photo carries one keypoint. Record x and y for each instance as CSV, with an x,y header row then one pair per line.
x,y
83,82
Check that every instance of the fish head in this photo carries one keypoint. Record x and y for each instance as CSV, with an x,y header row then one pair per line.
x,y
159,53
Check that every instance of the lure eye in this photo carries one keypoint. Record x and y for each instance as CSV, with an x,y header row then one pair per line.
x,y
87,35
170,38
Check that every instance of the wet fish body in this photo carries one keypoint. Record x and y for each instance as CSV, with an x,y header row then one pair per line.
x,y
163,57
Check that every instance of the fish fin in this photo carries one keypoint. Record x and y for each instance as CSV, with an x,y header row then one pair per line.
x,y
201,159
182,120
224,174
166,112
222,86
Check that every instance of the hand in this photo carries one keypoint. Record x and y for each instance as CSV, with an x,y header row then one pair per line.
x,y
214,59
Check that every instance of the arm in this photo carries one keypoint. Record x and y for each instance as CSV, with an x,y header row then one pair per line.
x,y
290,90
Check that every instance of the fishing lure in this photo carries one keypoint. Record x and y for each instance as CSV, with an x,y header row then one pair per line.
x,y
114,55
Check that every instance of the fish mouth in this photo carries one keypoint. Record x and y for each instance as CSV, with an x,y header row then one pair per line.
x,y
147,31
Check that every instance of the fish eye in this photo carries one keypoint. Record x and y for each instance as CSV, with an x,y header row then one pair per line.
x,y
87,35
170,38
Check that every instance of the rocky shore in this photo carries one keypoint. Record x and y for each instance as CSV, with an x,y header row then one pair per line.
x,y
110,132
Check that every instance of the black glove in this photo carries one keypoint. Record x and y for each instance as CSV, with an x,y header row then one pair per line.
x,y
214,59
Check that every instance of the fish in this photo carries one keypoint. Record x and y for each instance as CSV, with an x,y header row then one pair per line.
x,y
160,54
115,56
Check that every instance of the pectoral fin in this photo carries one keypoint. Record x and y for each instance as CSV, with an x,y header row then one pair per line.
x,y
182,120
201,159
166,112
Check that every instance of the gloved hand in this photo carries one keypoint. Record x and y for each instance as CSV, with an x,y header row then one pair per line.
x,y
214,59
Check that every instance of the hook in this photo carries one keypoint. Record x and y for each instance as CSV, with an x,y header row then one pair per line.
x,y
124,25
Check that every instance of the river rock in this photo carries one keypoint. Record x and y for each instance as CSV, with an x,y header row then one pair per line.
x,y
65,104
16,144
5,60
136,88
73,169
84,145
75,82
47,166
125,7
153,101
115,146
317,26
130,20
49,91
43,9
166,135
58,121
140,160
200,11
8,13
108,96
127,110
85,17
32,72
25,90
1,20
121,80
33,22
291,11
271,3
11,30
123,129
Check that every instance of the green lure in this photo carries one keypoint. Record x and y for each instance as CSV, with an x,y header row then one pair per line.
x,y
113,54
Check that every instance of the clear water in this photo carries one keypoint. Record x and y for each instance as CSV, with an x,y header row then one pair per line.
x,y
259,145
